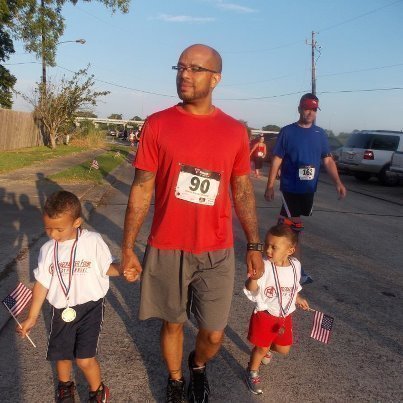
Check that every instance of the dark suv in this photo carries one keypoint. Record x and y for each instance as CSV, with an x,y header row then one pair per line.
x,y
368,153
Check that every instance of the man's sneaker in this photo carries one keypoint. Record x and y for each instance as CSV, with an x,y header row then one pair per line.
x,y
267,358
101,395
65,392
176,391
199,389
252,379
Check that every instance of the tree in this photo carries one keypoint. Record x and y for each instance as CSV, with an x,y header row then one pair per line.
x,y
85,114
137,118
271,128
115,116
39,24
55,107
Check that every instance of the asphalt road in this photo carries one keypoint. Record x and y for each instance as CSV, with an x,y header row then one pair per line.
x,y
352,249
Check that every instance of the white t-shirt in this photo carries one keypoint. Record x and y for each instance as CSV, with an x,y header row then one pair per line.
x,y
266,298
89,281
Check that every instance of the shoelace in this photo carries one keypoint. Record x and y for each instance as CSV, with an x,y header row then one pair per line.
x,y
255,380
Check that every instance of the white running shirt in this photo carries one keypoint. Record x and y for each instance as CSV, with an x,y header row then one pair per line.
x,y
266,295
89,282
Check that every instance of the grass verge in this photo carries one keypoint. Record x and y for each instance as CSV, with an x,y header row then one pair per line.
x,y
107,162
12,160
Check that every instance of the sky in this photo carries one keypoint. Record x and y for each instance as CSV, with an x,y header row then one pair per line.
x,y
266,51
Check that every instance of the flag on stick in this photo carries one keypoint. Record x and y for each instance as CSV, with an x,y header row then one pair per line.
x,y
322,326
94,164
18,299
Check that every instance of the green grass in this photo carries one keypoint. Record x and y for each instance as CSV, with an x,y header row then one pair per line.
x,y
107,162
11,160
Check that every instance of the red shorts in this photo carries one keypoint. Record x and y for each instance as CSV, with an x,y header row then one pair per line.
x,y
264,330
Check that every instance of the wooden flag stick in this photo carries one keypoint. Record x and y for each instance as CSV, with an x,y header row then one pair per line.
x,y
19,324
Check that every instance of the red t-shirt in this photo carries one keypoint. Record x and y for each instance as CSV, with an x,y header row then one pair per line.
x,y
192,155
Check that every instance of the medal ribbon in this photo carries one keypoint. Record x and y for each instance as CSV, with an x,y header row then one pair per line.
x,y
65,288
284,311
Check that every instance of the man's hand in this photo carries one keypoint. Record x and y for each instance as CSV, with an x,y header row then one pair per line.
x,y
254,264
269,194
341,190
131,266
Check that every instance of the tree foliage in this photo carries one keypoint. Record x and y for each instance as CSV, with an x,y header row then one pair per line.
x,y
115,116
272,128
40,25
56,105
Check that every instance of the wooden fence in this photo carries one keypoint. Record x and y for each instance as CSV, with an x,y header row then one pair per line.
x,y
18,130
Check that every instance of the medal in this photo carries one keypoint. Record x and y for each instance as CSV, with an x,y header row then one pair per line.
x,y
69,314
284,310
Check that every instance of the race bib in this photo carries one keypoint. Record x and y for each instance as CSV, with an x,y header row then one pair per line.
x,y
197,185
260,154
306,173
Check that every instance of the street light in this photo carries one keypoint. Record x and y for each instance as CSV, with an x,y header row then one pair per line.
x,y
80,41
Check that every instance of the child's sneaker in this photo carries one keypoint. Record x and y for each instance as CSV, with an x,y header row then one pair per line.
x,y
176,391
101,395
252,379
65,392
267,358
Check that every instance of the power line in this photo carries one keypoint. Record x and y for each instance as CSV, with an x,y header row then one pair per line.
x,y
359,16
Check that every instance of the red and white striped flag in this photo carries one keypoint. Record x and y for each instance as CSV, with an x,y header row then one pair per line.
x,y
18,299
322,326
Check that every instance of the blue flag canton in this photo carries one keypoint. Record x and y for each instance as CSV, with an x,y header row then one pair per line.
x,y
327,322
9,301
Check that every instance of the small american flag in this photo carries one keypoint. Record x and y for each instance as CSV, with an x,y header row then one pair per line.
x,y
322,326
17,300
94,164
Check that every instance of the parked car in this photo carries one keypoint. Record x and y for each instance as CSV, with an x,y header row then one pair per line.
x,y
396,165
369,153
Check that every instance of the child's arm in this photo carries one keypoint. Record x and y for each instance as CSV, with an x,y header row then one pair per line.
x,y
114,269
251,285
301,303
39,293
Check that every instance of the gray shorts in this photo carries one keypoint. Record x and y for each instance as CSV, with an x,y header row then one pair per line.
x,y
175,283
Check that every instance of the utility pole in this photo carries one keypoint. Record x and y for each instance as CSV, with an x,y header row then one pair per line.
x,y
313,44
313,69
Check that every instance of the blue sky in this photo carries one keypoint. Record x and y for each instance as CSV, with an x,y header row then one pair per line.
x,y
266,61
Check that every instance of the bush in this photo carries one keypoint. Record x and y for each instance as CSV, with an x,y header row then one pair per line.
x,y
88,136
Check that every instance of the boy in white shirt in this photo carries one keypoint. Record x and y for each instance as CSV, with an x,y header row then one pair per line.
x,y
73,275
276,295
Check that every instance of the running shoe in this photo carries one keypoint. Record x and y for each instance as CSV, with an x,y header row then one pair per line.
x,y
101,395
199,389
252,379
176,391
267,358
65,392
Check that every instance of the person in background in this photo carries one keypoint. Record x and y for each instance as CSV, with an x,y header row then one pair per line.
x,y
299,150
258,154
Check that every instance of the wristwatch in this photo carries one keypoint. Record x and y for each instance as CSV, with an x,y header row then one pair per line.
x,y
254,246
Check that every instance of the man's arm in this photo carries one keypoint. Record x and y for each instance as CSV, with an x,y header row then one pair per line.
x,y
137,208
331,170
245,209
275,166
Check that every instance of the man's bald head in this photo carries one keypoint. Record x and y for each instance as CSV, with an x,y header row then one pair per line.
x,y
213,58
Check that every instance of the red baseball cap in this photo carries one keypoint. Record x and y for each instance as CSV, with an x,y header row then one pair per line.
x,y
309,103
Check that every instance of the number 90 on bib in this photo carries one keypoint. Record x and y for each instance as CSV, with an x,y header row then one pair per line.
x,y
197,185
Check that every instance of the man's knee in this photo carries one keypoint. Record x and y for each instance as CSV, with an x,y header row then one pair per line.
x,y
213,337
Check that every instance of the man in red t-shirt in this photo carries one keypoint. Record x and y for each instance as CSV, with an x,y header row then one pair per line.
x,y
191,154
